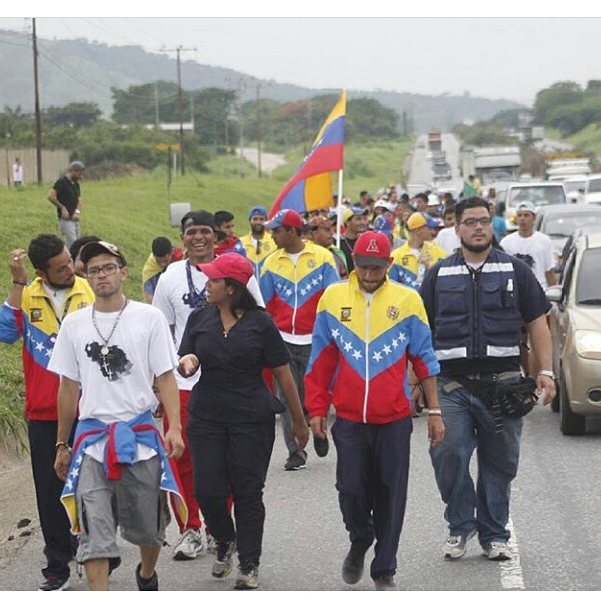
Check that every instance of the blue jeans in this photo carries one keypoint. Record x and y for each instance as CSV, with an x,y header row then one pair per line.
x,y
469,425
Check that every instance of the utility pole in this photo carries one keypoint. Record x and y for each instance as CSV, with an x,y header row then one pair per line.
x,y
259,130
180,100
241,88
38,116
157,119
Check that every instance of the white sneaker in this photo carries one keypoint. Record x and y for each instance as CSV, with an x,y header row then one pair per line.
x,y
498,551
455,546
211,543
189,546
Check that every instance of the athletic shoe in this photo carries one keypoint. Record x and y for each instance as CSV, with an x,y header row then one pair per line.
x,y
385,583
225,559
189,546
146,584
321,446
352,566
454,547
54,583
247,578
211,543
498,550
296,461
114,563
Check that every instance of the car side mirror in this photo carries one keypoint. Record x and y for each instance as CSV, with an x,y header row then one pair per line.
x,y
554,294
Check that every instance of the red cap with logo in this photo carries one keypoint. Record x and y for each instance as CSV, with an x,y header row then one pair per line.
x,y
372,249
228,265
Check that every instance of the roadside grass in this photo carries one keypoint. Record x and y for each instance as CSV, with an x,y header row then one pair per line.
x,y
130,212
587,139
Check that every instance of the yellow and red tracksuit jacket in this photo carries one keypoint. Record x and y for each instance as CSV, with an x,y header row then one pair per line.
x,y
37,323
405,266
257,253
291,292
360,350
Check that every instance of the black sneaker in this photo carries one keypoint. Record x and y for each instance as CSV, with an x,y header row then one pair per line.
x,y
114,563
296,461
352,566
385,583
54,583
225,559
146,584
321,446
248,577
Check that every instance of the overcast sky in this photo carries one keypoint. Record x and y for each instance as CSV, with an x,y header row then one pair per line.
x,y
509,58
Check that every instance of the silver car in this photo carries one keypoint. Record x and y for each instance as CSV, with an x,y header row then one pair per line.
x,y
575,322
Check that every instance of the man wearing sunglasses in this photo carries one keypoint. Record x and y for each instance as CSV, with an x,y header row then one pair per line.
x,y
477,300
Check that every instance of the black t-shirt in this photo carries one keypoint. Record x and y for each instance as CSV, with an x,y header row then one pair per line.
x,y
231,388
347,246
67,194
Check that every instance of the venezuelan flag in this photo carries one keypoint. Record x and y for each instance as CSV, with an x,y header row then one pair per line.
x,y
310,187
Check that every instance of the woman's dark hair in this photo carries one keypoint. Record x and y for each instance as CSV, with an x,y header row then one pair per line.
x,y
242,299
43,248
472,202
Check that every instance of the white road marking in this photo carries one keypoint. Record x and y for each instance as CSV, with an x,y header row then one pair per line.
x,y
511,571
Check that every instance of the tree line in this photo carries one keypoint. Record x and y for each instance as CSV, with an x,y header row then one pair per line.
x,y
220,121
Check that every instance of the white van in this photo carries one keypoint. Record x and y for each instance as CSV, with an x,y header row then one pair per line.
x,y
592,191
540,194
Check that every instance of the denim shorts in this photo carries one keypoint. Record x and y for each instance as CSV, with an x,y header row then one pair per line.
x,y
135,503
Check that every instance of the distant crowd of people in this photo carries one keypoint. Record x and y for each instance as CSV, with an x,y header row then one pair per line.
x,y
424,304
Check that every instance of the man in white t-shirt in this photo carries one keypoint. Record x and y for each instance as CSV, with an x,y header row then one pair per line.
x,y
180,290
17,173
534,248
447,238
111,352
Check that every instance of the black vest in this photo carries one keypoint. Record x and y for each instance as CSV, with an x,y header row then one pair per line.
x,y
476,312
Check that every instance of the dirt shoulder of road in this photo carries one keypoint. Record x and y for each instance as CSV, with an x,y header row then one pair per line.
x,y
18,516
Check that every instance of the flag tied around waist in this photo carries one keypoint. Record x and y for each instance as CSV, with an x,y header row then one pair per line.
x,y
120,451
310,187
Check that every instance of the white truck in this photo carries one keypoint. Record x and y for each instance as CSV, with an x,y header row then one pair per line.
x,y
492,163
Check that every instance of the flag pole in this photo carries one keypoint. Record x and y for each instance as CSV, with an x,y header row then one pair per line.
x,y
339,208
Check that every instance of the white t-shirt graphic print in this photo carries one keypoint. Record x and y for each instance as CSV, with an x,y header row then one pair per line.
x,y
116,387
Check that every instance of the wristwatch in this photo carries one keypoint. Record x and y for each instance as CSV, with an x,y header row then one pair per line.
x,y
547,372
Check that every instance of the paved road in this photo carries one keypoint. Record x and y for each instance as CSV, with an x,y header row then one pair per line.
x,y
421,166
269,161
555,508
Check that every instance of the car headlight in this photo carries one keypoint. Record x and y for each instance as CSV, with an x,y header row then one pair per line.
x,y
588,344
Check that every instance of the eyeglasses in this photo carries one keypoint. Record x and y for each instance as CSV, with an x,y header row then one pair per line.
x,y
108,269
472,221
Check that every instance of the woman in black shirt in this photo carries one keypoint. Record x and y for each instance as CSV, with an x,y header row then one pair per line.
x,y
231,426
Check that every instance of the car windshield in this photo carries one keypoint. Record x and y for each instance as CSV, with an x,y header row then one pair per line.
x,y
561,226
594,185
588,287
574,185
539,196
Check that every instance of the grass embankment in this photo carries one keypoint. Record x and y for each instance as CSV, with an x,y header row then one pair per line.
x,y
130,212
587,139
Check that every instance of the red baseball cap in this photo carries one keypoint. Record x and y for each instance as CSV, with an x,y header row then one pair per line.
x,y
228,265
285,217
372,249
